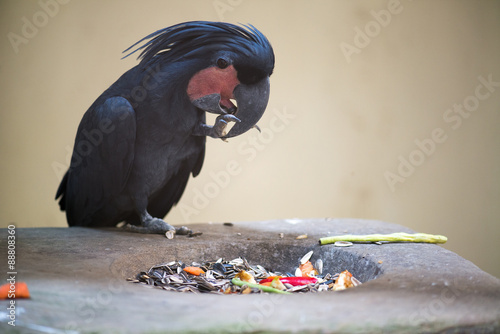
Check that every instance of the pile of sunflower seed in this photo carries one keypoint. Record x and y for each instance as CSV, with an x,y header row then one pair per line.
x,y
217,277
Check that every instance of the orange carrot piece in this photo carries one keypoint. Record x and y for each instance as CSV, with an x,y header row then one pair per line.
x,y
197,271
266,283
19,290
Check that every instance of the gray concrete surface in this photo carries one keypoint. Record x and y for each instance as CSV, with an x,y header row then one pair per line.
x,y
76,277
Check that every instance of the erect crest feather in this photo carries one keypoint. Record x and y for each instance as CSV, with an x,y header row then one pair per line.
x,y
198,37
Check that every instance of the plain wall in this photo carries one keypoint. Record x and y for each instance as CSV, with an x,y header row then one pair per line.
x,y
363,119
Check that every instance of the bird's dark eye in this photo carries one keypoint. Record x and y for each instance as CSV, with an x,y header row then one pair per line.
x,y
222,63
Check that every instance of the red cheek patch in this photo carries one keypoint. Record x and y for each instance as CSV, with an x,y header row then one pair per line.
x,y
214,80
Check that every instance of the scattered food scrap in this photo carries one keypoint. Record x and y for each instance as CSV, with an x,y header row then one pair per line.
x,y
245,277
343,282
196,271
238,276
16,290
183,230
307,269
277,284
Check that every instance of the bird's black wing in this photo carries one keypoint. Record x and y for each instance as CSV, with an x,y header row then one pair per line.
x,y
101,163
172,192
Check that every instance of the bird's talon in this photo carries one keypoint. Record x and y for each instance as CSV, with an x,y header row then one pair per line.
x,y
229,118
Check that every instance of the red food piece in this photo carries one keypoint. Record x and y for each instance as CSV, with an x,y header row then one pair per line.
x,y
292,280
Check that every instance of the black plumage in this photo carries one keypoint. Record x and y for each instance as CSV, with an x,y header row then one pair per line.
x,y
140,141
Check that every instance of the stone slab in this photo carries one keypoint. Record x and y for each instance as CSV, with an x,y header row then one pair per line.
x,y
76,278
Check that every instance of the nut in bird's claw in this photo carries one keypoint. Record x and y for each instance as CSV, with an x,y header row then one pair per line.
x,y
170,234
221,124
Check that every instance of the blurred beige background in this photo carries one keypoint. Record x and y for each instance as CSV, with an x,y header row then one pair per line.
x,y
379,109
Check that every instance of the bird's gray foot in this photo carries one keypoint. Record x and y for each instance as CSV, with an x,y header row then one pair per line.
x,y
151,225
218,129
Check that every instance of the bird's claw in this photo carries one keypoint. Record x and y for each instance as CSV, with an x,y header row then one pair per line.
x,y
151,226
219,127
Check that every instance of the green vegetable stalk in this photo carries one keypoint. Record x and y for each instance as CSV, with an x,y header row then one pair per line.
x,y
264,288
393,237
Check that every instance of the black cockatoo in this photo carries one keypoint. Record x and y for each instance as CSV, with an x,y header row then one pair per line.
x,y
138,143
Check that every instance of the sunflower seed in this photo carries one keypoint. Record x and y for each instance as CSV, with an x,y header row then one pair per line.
x,y
306,257
219,268
298,288
319,266
342,244
355,281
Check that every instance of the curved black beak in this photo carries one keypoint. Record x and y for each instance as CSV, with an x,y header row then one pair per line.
x,y
252,102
